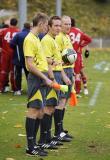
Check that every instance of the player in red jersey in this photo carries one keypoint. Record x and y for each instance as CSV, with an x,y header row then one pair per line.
x,y
7,54
1,29
79,40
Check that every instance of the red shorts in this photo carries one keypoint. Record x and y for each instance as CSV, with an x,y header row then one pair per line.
x,y
78,63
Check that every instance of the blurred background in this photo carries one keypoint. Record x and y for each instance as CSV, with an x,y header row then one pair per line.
x,y
92,16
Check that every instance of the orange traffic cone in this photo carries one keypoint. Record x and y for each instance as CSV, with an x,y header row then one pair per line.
x,y
73,99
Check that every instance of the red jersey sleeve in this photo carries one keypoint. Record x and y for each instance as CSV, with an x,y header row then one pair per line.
x,y
85,40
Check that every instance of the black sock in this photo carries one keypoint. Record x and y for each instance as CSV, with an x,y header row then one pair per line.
x,y
43,128
57,121
37,122
48,139
30,127
63,112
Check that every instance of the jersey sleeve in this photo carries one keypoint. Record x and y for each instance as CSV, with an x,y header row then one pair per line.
x,y
28,48
85,40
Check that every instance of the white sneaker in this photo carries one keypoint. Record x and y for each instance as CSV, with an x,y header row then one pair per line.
x,y
17,93
7,89
86,91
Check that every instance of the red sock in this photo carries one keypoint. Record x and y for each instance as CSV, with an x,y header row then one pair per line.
x,y
84,80
77,86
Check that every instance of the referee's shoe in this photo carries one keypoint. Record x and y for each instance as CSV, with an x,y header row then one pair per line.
x,y
47,146
62,137
35,152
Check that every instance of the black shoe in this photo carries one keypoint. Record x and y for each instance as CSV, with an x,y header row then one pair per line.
x,y
35,152
56,143
69,136
62,137
48,146
41,149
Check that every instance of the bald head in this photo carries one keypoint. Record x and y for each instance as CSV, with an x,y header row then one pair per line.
x,y
66,24
65,18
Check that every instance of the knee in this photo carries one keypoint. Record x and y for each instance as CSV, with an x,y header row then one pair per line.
x,y
49,110
32,113
62,104
77,76
41,114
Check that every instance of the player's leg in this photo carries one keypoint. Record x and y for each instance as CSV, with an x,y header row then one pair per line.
x,y
4,70
46,122
84,80
83,77
45,129
51,102
60,110
17,78
35,104
7,88
77,69
70,75
12,76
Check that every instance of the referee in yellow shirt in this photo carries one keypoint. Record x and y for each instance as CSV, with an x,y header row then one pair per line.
x,y
37,66
55,67
64,42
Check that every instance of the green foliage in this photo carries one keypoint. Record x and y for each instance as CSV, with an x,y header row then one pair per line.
x,y
91,16
101,1
9,4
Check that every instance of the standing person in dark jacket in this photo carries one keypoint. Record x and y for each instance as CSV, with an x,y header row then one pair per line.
x,y
18,59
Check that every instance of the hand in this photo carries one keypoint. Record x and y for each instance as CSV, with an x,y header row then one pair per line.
x,y
67,80
54,63
48,82
53,80
86,53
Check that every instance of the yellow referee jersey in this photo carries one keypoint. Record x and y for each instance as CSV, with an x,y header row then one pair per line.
x,y
33,48
51,50
64,42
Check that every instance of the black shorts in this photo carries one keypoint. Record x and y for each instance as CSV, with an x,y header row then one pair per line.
x,y
53,95
36,92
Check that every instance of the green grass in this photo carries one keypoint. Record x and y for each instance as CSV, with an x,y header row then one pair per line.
x,y
90,125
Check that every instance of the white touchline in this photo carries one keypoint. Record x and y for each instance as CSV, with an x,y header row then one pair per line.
x,y
95,95
99,65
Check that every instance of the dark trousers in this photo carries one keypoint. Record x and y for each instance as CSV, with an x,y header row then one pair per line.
x,y
18,76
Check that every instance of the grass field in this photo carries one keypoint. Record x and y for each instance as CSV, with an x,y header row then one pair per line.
x,y
89,122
